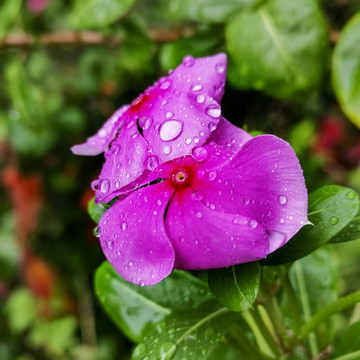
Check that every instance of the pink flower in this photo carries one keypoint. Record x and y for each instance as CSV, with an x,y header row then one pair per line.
x,y
37,6
165,122
234,200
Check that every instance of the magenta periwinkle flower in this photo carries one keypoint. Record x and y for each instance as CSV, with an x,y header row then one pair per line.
x,y
193,191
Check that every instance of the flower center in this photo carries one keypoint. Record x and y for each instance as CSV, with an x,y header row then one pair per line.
x,y
180,177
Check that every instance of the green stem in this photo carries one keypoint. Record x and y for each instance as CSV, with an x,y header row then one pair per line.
x,y
324,313
305,307
351,356
238,339
265,331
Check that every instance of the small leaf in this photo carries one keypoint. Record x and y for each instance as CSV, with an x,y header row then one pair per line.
x,y
95,211
279,48
348,343
346,69
98,13
235,287
133,308
9,10
192,333
331,209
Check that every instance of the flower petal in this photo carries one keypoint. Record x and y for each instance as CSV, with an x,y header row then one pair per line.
x,y
204,238
262,181
229,136
186,107
133,237
101,140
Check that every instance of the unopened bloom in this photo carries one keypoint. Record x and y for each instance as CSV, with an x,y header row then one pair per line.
x,y
165,122
233,200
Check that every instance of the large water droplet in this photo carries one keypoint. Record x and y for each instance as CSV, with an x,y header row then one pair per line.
x,y
212,126
151,162
220,68
167,150
145,122
213,110
333,220
282,199
196,87
212,175
197,195
104,186
200,154
170,130
188,61
200,98
350,195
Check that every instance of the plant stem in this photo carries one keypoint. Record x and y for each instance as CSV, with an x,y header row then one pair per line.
x,y
324,313
351,356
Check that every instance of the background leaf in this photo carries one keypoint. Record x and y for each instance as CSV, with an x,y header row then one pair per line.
x,y
331,209
278,48
9,10
133,308
98,13
348,343
235,287
192,334
346,69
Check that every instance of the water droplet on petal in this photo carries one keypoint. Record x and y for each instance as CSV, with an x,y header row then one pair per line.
x,y
110,244
212,126
200,154
95,184
220,68
213,110
151,162
130,263
200,98
197,195
169,114
104,186
188,61
196,87
102,133
253,223
199,214
165,85
170,130
333,220
96,231
123,225
282,199
212,175
281,220
167,150
145,122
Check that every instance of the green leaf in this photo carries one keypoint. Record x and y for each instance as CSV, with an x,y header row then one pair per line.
x,y
21,310
350,232
200,44
192,334
279,48
133,308
206,11
235,287
95,211
348,343
9,10
331,209
98,13
346,69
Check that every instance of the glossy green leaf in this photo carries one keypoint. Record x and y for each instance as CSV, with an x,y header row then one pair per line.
x,y
200,44
133,308
331,210
279,48
348,343
9,10
235,287
206,11
346,69
192,334
95,211
98,13
350,232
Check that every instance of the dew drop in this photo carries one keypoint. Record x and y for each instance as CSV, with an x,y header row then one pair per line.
x,y
246,201
139,350
281,220
282,199
110,244
253,223
212,175
200,154
188,61
165,85
151,162
188,141
213,110
169,114
196,87
130,263
197,195
220,68
200,98
123,225
102,133
104,186
333,220
167,150
212,126
350,195
199,214
95,184
96,231
170,130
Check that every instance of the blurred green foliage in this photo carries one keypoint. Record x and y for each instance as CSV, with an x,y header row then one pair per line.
x,y
65,66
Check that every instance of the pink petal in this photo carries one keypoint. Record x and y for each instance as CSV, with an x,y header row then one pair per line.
x,y
101,140
263,181
186,107
133,237
229,136
205,238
